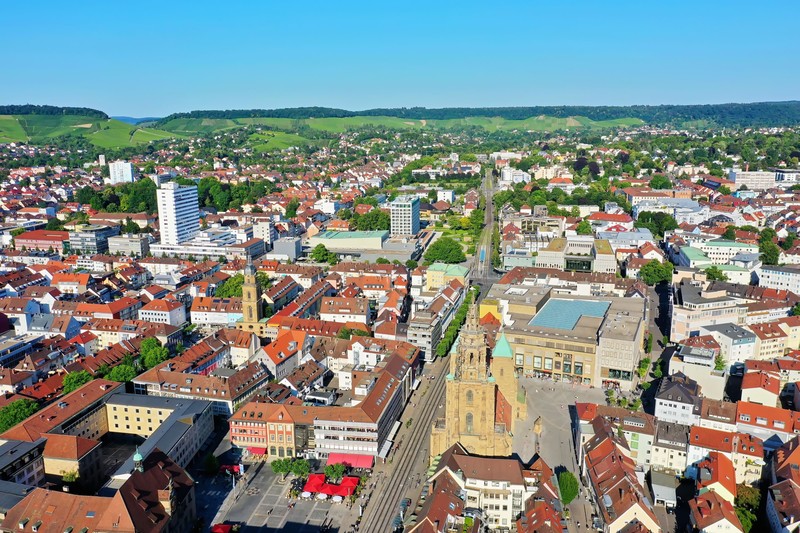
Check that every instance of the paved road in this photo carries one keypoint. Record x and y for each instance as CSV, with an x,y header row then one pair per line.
x,y
395,479
482,272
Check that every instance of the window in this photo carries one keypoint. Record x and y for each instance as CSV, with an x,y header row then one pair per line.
x,y
567,368
469,397
578,369
537,361
468,424
548,363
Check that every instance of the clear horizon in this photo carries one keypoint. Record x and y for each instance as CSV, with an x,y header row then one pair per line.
x,y
162,58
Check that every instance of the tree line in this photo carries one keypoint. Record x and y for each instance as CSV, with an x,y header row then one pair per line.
x,y
30,109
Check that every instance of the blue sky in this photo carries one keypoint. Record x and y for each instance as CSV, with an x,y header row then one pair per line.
x,y
152,58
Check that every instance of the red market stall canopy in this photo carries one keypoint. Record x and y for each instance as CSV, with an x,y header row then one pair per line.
x,y
221,528
351,460
316,483
257,451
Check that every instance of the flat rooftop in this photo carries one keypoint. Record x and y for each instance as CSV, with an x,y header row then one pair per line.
x,y
351,234
564,314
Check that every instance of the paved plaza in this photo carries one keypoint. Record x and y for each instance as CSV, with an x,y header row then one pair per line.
x,y
554,403
263,506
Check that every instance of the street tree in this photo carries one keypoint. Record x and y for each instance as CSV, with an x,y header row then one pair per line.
x,y
335,472
655,272
568,486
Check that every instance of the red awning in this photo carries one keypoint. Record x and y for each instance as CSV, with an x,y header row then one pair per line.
x,y
257,451
221,528
351,460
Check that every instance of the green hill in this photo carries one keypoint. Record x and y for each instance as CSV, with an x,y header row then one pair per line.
x,y
195,126
755,114
102,132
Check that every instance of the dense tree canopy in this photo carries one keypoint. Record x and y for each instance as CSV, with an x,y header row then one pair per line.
x,y
152,353
74,380
320,254
15,412
654,272
584,228
568,486
445,250
657,223
375,220
122,373
660,182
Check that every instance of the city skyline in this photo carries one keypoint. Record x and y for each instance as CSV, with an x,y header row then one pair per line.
x,y
163,59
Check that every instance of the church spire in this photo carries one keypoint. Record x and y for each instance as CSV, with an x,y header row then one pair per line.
x,y
249,269
473,322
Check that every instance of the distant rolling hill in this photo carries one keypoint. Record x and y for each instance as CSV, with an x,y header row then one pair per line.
x,y
537,117
41,124
102,132
195,126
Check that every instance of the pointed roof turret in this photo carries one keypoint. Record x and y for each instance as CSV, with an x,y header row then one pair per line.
x,y
249,269
502,347
137,461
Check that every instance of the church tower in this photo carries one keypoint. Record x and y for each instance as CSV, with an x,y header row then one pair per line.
x,y
251,303
476,412
469,363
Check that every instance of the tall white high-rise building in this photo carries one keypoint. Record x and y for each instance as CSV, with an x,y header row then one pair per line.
x,y
405,216
121,172
178,212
